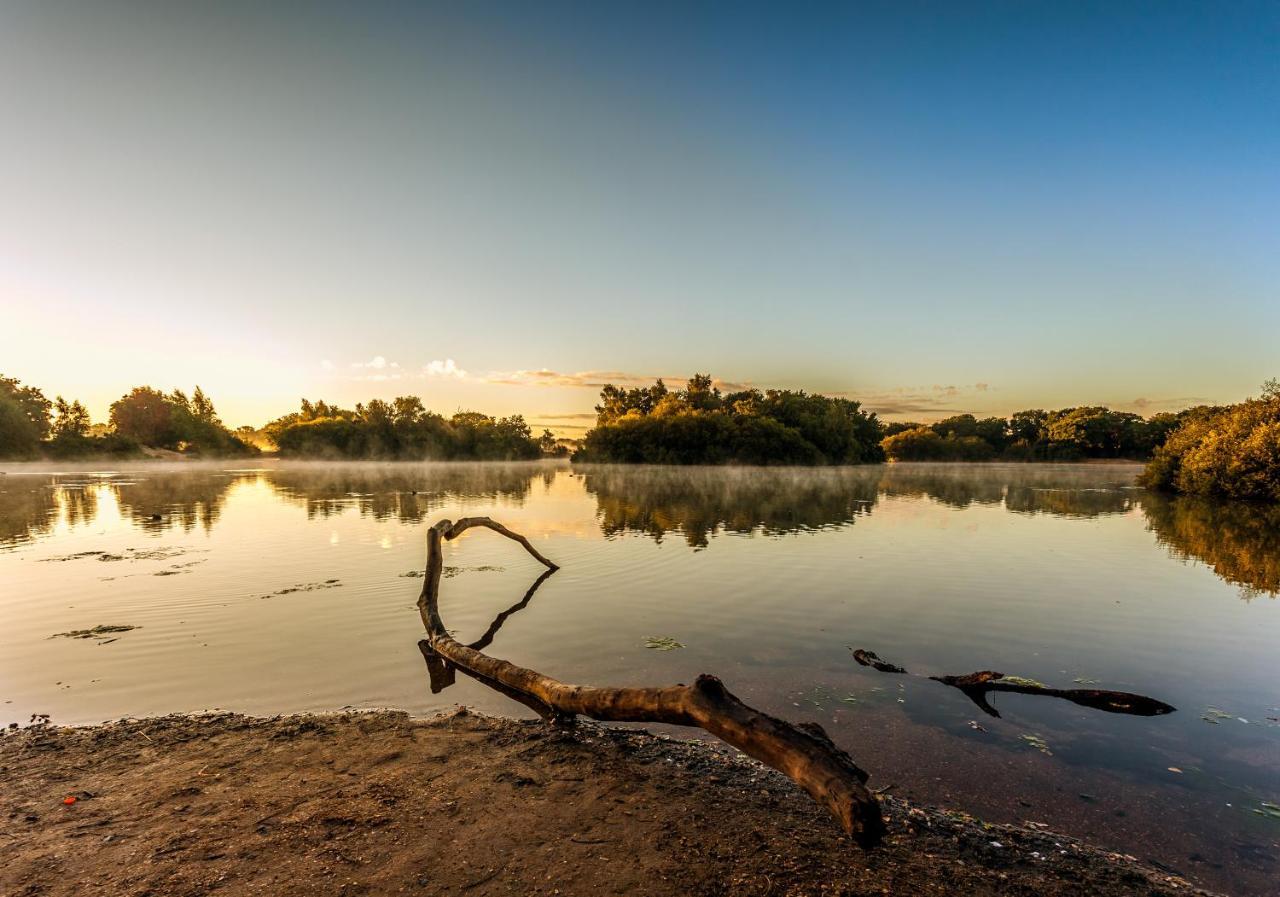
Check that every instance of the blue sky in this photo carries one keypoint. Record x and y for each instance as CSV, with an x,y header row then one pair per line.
x,y
933,207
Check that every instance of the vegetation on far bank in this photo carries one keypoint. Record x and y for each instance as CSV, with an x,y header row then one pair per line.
x,y
1067,434
1231,452
701,425
31,426
405,429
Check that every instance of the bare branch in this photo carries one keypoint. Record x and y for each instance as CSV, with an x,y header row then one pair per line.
x,y
805,754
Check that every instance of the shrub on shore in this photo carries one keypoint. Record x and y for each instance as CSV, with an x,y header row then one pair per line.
x,y
1233,452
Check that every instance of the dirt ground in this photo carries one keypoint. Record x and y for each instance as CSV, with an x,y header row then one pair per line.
x,y
378,803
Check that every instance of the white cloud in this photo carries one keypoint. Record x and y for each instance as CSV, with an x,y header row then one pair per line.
x,y
445,368
376,363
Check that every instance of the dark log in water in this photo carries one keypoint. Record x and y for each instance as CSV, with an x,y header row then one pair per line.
x,y
805,754
976,686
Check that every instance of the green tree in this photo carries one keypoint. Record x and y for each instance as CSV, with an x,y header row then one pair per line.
x,y
145,415
72,420
24,419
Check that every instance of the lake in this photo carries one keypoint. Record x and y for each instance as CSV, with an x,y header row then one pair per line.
x,y
291,587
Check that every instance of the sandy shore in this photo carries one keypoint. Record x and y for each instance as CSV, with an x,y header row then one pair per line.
x,y
378,803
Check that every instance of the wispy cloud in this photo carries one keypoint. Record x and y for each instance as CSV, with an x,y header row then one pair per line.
x,y
579,379
1145,405
597,379
938,400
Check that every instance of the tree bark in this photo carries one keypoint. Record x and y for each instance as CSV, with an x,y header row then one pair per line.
x,y
804,754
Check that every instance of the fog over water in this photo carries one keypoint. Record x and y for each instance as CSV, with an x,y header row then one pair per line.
x,y
287,587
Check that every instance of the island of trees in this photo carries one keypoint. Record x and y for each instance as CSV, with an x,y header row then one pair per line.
x,y
147,421
700,425
404,429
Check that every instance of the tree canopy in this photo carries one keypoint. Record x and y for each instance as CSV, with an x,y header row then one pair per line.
x,y
403,429
1232,452
33,427
701,425
1068,434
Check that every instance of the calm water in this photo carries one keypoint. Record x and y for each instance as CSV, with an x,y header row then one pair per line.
x,y
292,588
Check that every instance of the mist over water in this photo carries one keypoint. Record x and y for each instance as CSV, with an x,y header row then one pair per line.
x,y
291,587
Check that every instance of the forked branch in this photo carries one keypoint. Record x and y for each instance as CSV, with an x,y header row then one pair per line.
x,y
805,754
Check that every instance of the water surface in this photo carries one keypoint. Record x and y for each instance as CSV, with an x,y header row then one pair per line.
x,y
292,587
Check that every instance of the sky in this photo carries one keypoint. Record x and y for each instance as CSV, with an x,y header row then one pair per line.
x,y
931,207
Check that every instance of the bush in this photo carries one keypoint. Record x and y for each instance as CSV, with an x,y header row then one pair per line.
x,y
1232,452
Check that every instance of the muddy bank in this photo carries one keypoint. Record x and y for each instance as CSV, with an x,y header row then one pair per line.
x,y
378,803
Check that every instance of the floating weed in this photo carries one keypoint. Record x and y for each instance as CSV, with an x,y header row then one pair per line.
x,y
305,587
1035,741
1268,810
661,643
1023,681
1081,680
849,699
450,572
1213,714
98,632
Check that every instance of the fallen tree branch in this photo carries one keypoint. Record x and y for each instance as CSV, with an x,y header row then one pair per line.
x,y
976,686
805,754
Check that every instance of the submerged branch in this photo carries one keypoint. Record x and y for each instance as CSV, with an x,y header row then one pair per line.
x,y
976,686
803,753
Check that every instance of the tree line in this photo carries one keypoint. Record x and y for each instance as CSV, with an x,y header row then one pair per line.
x,y
1231,451
404,429
700,425
31,426
1067,434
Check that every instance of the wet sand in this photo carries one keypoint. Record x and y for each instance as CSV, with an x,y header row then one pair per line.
x,y
379,803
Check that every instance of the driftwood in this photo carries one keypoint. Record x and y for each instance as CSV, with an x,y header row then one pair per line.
x,y
976,686
803,753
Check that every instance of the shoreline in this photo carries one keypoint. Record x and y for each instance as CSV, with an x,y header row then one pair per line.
x,y
378,802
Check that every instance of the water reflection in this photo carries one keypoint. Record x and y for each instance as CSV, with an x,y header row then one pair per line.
x,y
700,503
407,493
1239,540
32,507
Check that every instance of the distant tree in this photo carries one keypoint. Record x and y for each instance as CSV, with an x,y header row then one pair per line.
x,y
72,420
899,426
925,444
175,422
24,419
146,415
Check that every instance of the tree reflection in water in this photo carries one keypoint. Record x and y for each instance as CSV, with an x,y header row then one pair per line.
x,y
1238,540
